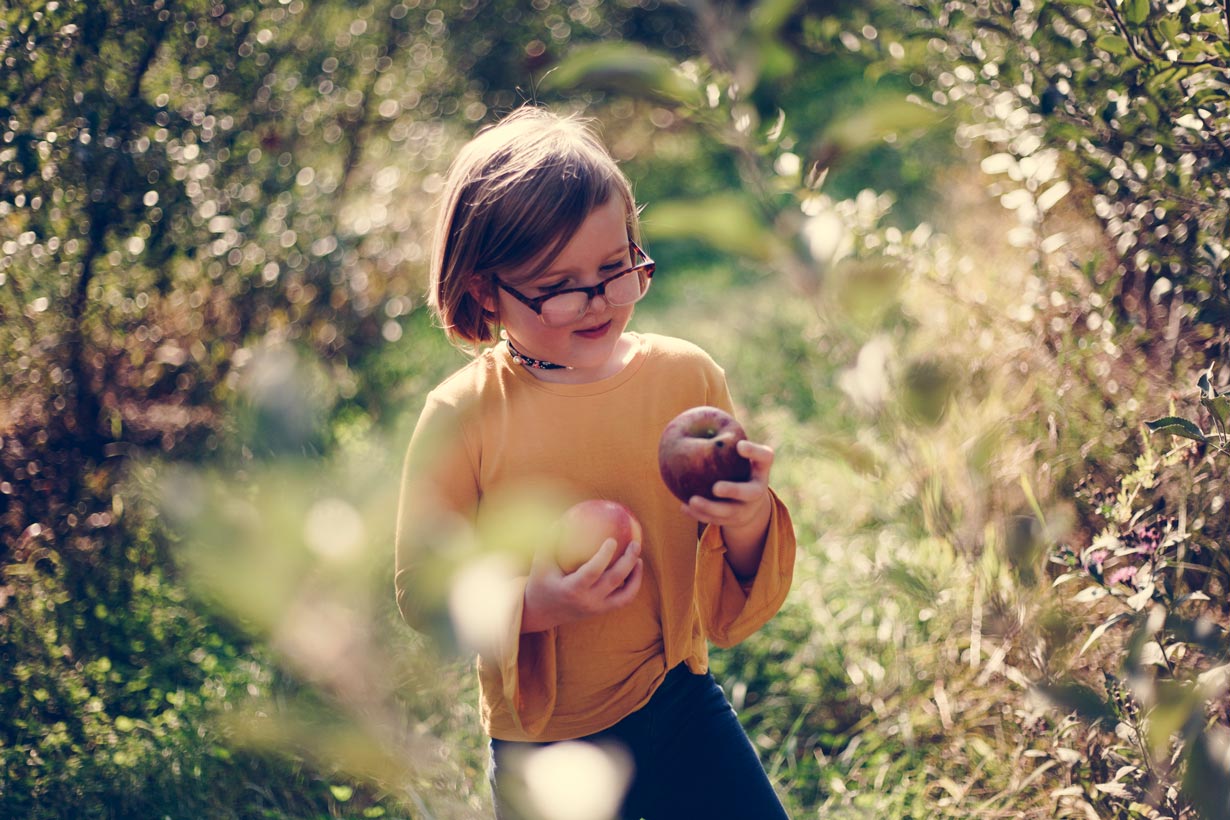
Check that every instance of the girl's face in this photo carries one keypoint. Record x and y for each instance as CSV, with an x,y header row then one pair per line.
x,y
592,344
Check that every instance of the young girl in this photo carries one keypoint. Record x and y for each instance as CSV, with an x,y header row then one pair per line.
x,y
537,254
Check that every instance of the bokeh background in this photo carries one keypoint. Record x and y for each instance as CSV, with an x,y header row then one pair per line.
x,y
964,262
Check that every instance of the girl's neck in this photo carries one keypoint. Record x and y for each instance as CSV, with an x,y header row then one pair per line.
x,y
625,350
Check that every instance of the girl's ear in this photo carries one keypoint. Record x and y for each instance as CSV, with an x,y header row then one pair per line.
x,y
483,293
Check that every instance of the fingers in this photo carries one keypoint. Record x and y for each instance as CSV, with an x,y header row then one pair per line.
x,y
734,500
626,591
761,456
627,563
593,569
602,584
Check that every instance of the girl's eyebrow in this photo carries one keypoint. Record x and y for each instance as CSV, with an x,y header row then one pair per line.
x,y
565,272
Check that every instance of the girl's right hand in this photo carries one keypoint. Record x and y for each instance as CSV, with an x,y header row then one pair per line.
x,y
553,598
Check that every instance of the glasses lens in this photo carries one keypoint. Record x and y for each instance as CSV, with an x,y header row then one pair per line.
x,y
625,289
565,308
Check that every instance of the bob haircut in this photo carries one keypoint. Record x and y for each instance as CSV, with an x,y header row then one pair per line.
x,y
515,195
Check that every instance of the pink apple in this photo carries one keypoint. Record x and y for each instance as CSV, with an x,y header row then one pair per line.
x,y
587,525
698,448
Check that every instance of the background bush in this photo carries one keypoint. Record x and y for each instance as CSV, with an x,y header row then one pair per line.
x,y
954,257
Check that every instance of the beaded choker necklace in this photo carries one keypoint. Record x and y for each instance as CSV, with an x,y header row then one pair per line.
x,y
525,361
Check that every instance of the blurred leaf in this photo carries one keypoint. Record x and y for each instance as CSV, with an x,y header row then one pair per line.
x,y
865,291
1206,781
869,125
1028,488
726,222
927,389
1176,426
1201,631
902,577
1078,698
1113,44
334,741
1146,632
1176,703
858,457
623,67
768,16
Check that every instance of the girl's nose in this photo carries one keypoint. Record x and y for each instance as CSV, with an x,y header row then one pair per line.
x,y
592,307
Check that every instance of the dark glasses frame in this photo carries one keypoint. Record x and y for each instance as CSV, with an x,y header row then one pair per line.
x,y
535,303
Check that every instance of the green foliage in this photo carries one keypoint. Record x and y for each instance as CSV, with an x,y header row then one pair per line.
x,y
1132,97
113,678
213,245
1154,575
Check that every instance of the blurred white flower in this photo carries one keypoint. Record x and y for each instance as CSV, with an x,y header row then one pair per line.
x,y
576,781
481,601
867,382
827,236
333,529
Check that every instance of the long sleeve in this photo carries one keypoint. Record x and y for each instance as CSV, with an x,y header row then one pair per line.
x,y
439,498
732,610
527,670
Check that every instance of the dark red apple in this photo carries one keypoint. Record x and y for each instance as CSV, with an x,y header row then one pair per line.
x,y
698,448
586,526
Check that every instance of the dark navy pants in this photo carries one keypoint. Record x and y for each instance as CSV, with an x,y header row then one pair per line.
x,y
690,755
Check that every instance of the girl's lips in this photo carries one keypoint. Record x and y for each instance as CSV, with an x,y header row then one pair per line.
x,y
596,332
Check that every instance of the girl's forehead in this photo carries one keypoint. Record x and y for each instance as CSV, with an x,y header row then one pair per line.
x,y
602,234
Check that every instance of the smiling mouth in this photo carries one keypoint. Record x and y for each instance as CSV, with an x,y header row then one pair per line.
x,y
596,330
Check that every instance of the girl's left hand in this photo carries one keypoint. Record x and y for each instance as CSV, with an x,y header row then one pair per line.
x,y
740,505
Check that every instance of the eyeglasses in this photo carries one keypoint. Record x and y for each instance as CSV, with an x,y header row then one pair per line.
x,y
566,306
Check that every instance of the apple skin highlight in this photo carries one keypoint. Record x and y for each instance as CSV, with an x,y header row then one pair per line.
x,y
699,448
586,525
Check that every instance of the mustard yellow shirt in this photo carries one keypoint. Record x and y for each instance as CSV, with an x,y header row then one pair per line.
x,y
496,425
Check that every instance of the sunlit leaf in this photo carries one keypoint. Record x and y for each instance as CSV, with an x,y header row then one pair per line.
x,y
873,122
1114,789
1100,629
1136,11
725,222
1138,599
624,67
1089,594
1113,44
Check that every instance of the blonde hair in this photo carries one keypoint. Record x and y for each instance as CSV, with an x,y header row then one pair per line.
x,y
515,194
